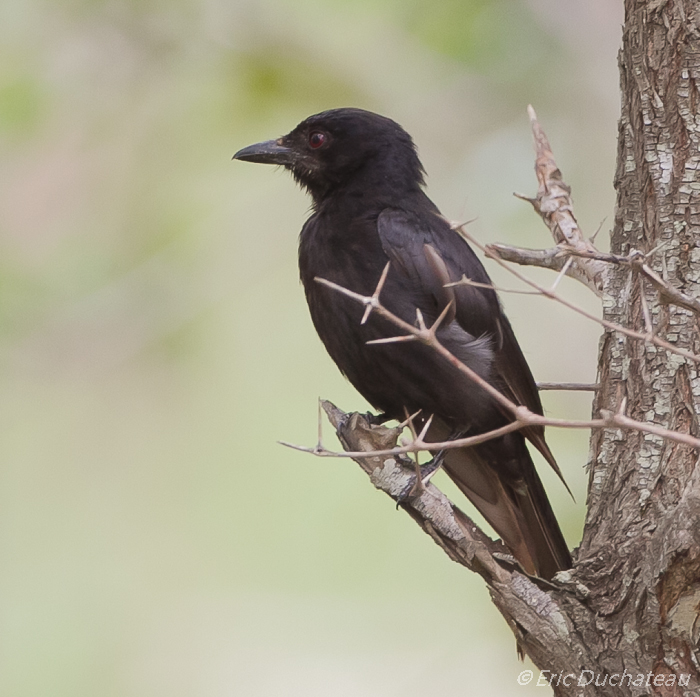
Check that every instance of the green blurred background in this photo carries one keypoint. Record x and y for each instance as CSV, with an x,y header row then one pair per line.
x,y
154,341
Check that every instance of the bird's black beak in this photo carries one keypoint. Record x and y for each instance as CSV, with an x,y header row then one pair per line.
x,y
271,152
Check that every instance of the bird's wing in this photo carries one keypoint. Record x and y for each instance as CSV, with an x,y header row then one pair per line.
x,y
522,389
430,252
436,255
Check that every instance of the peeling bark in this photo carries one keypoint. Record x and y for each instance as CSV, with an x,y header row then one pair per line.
x,y
640,549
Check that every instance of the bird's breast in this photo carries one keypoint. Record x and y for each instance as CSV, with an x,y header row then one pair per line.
x,y
352,257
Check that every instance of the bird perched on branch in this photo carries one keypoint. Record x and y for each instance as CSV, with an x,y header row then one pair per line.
x,y
370,210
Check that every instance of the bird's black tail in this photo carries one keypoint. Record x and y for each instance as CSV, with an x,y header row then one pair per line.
x,y
543,535
513,501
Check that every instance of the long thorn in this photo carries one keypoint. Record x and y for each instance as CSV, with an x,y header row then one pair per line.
x,y
382,279
408,420
600,227
441,317
319,445
368,312
561,274
375,296
413,434
645,308
464,281
656,249
425,428
393,339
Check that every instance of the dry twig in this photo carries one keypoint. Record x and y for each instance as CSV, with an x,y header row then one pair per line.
x,y
522,416
547,292
569,386
554,205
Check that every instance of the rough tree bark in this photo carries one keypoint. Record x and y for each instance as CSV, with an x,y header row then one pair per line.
x,y
630,607
640,553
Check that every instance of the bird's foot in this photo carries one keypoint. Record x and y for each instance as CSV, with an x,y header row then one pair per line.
x,y
376,419
424,473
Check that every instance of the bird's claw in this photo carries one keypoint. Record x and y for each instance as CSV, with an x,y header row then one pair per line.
x,y
376,419
423,475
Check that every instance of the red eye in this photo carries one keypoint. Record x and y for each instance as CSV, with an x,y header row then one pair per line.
x,y
316,139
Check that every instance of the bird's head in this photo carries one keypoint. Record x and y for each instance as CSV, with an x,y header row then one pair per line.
x,y
335,148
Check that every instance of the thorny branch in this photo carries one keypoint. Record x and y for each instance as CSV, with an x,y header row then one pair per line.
x,y
575,256
452,529
554,204
637,262
568,386
522,416
547,292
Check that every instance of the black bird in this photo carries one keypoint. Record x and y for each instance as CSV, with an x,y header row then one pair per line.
x,y
369,208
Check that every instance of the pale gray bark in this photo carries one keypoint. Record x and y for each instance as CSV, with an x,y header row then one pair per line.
x,y
640,552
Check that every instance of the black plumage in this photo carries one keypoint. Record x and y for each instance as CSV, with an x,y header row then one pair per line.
x,y
369,208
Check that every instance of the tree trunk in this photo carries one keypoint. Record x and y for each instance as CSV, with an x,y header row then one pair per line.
x,y
639,555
